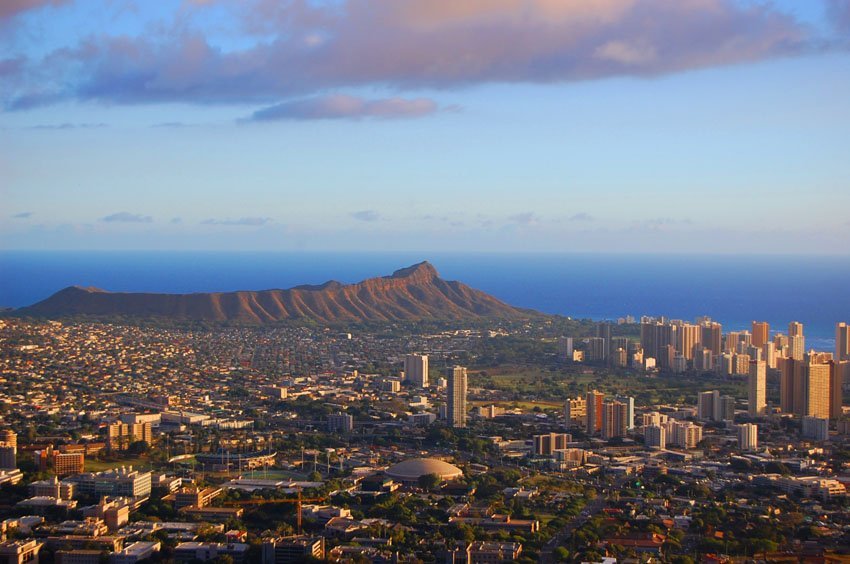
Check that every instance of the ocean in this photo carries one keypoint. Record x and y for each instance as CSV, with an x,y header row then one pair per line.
x,y
733,290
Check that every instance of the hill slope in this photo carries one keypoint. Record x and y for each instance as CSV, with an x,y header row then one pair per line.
x,y
412,293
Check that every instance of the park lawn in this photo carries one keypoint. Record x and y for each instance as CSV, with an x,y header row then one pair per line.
x,y
92,465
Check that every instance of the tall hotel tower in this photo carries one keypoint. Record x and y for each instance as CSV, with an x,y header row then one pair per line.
x,y
457,397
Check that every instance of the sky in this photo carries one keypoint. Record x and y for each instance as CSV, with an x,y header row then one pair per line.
x,y
694,126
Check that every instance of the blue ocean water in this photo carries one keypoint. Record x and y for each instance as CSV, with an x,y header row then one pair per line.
x,y
734,290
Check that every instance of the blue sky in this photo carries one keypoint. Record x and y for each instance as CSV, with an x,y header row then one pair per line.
x,y
704,126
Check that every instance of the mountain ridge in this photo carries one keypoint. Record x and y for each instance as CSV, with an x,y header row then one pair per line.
x,y
412,293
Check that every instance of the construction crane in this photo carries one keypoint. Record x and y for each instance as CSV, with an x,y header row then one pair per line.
x,y
298,501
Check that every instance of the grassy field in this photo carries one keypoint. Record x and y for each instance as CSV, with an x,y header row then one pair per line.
x,y
546,387
101,465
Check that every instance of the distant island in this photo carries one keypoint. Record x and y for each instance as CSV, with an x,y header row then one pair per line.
x,y
413,293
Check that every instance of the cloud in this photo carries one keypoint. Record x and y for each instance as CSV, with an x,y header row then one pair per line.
x,y
244,221
525,218
301,48
60,126
176,220
366,215
10,8
127,217
340,106
839,14
23,215
659,223
582,216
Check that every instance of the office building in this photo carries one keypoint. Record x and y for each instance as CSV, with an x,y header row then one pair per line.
x,y
456,400
594,412
748,436
122,481
68,463
596,349
416,370
655,436
288,550
757,388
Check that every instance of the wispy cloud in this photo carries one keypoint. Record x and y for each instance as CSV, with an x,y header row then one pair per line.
x,y
9,8
127,217
309,48
524,218
243,221
366,215
60,126
341,106
582,216
22,215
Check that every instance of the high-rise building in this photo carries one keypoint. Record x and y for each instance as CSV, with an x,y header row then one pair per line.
x,y
630,410
614,416
594,412
340,422
816,389
761,333
545,445
748,436
769,354
787,385
8,456
795,328
688,338
686,434
655,436
816,428
708,406
757,388
456,401
575,412
842,342
704,360
416,370
603,331
597,349
565,349
836,389
9,437
797,347
119,436
712,337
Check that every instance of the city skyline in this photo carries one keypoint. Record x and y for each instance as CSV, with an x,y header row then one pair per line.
x,y
224,125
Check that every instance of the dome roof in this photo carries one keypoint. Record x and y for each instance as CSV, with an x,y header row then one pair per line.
x,y
412,469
